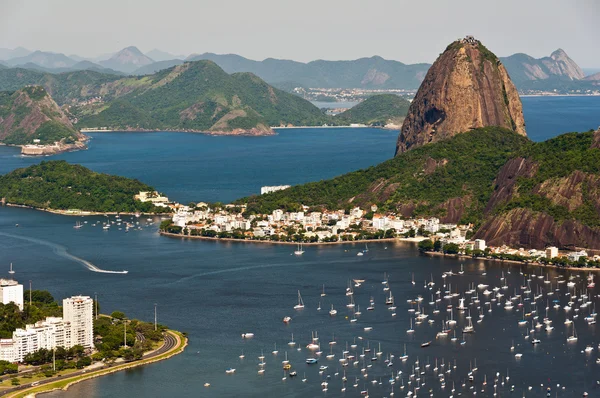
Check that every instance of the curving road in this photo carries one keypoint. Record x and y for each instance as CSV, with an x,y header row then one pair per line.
x,y
171,342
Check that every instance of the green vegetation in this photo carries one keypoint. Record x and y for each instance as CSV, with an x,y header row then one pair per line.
x,y
59,185
464,167
377,110
559,158
201,96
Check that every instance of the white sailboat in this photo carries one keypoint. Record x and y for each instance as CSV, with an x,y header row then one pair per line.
x,y
299,251
300,305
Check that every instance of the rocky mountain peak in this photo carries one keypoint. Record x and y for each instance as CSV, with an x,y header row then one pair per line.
x,y
467,87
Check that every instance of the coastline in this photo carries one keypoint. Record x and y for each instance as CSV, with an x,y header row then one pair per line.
x,y
208,238
254,132
535,264
75,212
68,381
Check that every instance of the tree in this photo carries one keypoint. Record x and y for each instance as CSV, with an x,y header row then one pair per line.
x,y
437,245
451,248
426,245
118,315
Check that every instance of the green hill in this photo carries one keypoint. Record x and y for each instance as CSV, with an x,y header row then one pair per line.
x,y
377,110
418,182
58,185
514,191
199,96
30,113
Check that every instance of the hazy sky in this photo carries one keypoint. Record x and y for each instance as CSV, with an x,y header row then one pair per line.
x,y
304,30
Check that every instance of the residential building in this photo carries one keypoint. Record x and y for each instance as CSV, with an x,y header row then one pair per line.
x,y
11,291
479,244
551,252
274,188
575,256
78,310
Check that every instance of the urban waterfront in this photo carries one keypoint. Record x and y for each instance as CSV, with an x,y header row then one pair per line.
x,y
215,291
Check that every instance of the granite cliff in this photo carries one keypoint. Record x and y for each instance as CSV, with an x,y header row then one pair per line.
x,y
466,88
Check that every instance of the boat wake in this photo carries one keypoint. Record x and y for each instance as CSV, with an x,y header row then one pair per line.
x,y
62,252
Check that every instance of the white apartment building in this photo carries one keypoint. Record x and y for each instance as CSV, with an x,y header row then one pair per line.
x,y
76,327
11,291
479,245
274,188
78,310
551,252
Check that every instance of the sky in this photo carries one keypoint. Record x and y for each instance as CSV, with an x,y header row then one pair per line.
x,y
410,31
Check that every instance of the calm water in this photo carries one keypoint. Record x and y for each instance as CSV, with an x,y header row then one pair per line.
x,y
216,291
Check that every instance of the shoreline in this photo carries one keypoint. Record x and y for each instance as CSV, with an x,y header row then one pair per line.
x,y
33,391
82,213
497,260
254,132
208,238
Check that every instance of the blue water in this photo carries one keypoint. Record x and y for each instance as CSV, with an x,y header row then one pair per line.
x,y
217,291
547,117
198,167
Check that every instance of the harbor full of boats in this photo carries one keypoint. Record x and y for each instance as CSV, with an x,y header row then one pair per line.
x,y
454,318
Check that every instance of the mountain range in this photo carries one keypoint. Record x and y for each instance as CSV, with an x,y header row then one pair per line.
x,y
528,73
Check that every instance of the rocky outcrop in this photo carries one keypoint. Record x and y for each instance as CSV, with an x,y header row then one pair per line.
x,y
504,185
596,142
526,228
467,87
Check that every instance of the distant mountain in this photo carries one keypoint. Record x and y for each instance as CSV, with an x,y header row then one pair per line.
x,y
558,66
378,110
198,96
65,88
7,53
159,55
594,77
374,72
157,66
590,71
43,59
127,60
30,113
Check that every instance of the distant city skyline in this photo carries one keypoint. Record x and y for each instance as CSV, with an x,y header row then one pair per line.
x,y
303,31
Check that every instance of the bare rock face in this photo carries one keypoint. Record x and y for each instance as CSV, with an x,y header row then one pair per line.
x,y
560,64
467,87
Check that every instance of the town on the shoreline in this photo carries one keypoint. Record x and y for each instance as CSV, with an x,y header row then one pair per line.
x,y
230,221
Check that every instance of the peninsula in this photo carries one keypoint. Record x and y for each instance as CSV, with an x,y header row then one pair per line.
x,y
71,189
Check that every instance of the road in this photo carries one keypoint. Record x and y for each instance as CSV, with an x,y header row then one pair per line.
x,y
170,343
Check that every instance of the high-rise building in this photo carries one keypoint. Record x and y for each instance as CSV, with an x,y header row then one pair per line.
x,y
11,291
78,311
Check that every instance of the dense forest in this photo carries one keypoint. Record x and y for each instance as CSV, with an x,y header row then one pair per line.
x,y
59,185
